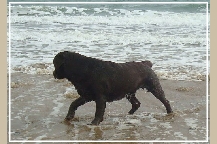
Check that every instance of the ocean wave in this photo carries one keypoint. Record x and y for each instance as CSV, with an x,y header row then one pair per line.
x,y
104,9
181,73
66,15
171,39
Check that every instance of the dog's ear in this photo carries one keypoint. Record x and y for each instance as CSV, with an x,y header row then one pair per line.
x,y
62,54
59,59
149,63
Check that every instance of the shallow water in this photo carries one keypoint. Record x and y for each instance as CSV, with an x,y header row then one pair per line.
x,y
39,104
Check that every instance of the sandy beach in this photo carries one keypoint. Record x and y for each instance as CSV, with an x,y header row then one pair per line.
x,y
39,104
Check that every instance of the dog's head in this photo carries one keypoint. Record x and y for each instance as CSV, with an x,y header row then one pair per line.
x,y
59,61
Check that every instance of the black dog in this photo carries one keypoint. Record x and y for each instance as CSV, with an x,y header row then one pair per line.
x,y
105,81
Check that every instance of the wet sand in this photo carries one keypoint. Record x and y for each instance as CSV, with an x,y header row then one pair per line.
x,y
39,104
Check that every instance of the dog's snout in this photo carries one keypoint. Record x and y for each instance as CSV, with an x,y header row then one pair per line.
x,y
54,74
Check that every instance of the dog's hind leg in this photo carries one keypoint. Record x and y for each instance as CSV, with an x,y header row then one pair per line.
x,y
73,107
153,86
134,101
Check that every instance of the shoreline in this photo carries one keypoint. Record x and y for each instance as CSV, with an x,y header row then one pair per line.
x,y
39,104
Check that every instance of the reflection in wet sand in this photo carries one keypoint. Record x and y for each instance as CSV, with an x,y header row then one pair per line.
x,y
39,108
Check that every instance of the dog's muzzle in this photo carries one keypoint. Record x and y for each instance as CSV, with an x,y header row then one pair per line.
x,y
54,74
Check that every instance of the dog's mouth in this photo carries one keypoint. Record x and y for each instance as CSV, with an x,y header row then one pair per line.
x,y
54,74
57,75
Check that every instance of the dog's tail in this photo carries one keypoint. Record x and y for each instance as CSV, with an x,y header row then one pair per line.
x,y
149,63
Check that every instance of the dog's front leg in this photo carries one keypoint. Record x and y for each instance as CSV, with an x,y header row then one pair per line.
x,y
73,107
100,109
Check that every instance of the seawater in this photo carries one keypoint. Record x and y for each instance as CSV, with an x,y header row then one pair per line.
x,y
172,36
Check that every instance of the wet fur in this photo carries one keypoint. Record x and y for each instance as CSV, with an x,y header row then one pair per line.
x,y
105,81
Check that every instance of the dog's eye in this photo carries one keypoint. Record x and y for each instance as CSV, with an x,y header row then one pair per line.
x,y
60,67
57,65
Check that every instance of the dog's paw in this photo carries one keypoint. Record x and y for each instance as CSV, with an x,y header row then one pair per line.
x,y
68,118
131,112
96,121
68,121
